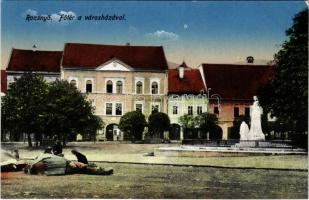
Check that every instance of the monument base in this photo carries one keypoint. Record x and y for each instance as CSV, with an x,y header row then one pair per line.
x,y
247,144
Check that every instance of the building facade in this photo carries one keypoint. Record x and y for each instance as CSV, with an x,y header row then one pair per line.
x,y
235,85
3,82
45,63
118,79
123,78
186,95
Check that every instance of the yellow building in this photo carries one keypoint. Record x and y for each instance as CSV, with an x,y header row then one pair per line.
x,y
118,79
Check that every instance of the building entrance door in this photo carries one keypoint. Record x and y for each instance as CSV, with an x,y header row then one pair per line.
x,y
111,130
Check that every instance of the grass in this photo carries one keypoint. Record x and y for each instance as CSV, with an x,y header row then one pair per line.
x,y
157,181
134,153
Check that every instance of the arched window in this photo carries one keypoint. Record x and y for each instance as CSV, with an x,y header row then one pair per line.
x,y
109,86
119,87
73,82
89,86
154,88
139,87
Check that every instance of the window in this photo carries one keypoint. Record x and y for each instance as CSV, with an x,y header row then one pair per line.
x,y
109,86
118,109
154,109
190,110
216,110
247,111
154,88
109,108
139,107
89,86
236,112
175,110
73,82
139,87
199,110
119,87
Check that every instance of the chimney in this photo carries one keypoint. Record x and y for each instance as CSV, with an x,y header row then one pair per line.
x,y
128,44
250,59
181,72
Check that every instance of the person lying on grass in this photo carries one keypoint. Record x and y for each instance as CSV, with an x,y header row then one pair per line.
x,y
50,164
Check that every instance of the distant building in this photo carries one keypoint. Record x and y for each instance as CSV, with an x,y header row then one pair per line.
x,y
186,95
236,85
45,63
118,79
3,82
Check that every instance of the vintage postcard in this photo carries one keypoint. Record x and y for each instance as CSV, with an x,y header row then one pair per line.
x,y
154,99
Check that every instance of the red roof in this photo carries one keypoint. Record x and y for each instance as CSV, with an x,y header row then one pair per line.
x,y
29,60
236,81
3,81
93,55
191,83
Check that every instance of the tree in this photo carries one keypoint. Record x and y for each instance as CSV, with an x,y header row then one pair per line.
x,y
188,121
158,123
286,96
22,107
69,112
208,123
133,124
189,124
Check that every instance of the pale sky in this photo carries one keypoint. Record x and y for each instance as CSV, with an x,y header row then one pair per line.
x,y
197,32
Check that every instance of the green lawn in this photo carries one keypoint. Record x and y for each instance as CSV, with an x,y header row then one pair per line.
x,y
157,181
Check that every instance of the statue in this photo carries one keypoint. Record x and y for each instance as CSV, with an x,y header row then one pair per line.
x,y
244,131
256,132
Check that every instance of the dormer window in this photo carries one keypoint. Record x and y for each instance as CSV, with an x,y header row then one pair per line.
x,y
109,87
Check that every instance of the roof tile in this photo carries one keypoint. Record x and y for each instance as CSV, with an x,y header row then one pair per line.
x,y
191,83
29,60
236,81
92,55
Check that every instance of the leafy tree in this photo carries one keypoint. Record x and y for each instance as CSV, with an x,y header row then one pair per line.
x,y
189,124
158,123
208,123
188,121
93,125
286,96
22,109
69,112
133,124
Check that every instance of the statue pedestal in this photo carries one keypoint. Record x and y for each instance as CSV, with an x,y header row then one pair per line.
x,y
246,143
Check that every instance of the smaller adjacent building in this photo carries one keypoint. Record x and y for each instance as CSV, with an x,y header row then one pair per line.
x,y
45,63
186,95
235,85
3,82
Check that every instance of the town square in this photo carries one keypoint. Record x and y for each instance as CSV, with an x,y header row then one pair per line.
x,y
159,100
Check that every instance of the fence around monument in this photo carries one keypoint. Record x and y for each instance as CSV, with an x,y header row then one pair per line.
x,y
232,142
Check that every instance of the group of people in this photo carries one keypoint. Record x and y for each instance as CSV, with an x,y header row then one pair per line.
x,y
53,162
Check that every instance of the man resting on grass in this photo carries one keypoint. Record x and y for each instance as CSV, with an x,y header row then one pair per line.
x,y
50,164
